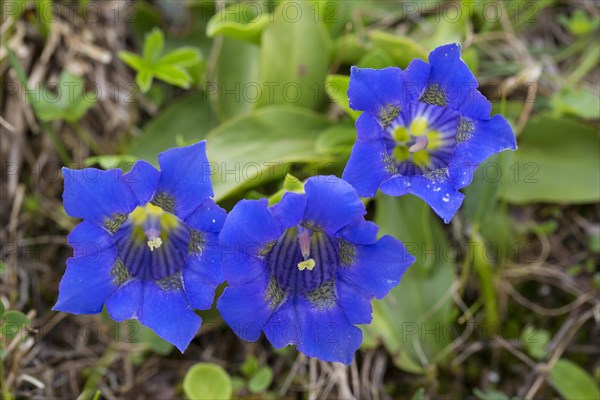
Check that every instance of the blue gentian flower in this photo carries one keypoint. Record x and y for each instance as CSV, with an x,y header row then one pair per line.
x,y
423,131
148,243
305,270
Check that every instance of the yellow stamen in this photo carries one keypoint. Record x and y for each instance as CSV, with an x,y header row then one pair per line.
x,y
400,134
421,158
419,127
155,243
307,264
435,140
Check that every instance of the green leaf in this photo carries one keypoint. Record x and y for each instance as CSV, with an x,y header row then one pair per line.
x,y
573,382
336,87
375,58
13,322
183,57
400,48
2,309
67,104
250,366
490,395
290,184
580,23
144,80
133,60
293,184
557,162
412,332
173,75
337,140
153,45
205,381
419,394
535,341
578,102
482,194
188,118
261,380
122,161
235,89
241,21
78,109
294,57
260,146
348,49
70,86
48,111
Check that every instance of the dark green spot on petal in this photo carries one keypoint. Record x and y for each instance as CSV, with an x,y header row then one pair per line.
x,y
120,273
437,174
115,221
322,297
267,249
171,282
164,201
347,253
433,94
390,164
465,130
388,114
274,295
197,241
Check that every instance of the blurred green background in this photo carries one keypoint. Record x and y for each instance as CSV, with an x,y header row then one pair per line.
x,y
502,303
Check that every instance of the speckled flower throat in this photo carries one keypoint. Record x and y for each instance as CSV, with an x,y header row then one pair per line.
x,y
304,261
152,243
422,138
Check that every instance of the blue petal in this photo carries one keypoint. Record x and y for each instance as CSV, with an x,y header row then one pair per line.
x,y
208,217
290,209
326,333
245,308
202,273
86,284
367,128
355,302
185,177
283,328
397,185
439,193
452,75
361,232
249,227
415,79
208,260
367,169
372,90
96,195
88,239
240,267
169,315
331,203
477,106
488,138
199,289
142,179
125,303
378,267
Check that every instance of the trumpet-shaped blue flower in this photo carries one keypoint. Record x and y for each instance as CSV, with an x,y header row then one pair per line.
x,y
147,245
423,131
305,270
